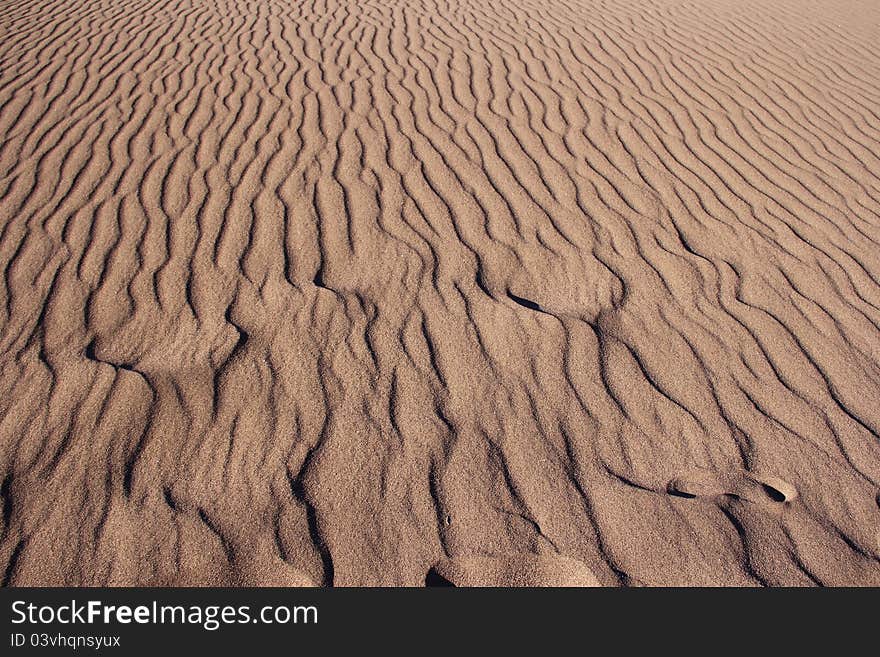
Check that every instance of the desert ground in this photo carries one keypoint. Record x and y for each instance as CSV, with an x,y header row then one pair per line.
x,y
471,292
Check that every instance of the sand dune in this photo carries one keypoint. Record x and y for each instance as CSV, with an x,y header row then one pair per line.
x,y
419,291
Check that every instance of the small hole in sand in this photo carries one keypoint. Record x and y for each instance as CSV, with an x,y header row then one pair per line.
x,y
775,495
433,578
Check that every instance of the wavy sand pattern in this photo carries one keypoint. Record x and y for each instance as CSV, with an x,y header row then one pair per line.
x,y
422,291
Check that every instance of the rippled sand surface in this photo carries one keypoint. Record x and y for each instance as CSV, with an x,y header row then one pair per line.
x,y
561,292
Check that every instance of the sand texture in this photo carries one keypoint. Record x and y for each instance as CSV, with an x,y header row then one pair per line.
x,y
471,292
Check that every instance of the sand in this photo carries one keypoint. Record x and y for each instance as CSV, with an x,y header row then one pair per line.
x,y
396,292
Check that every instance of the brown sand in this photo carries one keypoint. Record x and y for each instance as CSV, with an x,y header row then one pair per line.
x,y
470,291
